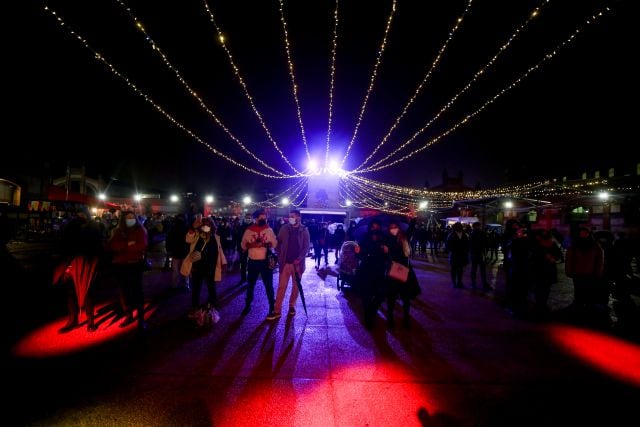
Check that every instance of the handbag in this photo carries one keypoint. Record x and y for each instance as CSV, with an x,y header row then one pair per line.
x,y
398,272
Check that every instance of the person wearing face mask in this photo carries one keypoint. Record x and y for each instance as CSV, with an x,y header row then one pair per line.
x,y
207,260
399,251
293,245
373,252
128,244
258,238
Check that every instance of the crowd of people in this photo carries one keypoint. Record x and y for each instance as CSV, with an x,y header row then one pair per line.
x,y
198,250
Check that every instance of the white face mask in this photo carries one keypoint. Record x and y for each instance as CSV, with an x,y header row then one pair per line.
x,y
206,228
292,221
130,222
394,231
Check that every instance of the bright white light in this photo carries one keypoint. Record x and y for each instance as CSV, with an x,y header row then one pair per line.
x,y
102,196
246,200
423,204
508,204
603,195
94,210
137,197
348,202
285,201
312,166
208,199
174,198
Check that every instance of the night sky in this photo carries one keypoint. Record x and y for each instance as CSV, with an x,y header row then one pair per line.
x,y
65,106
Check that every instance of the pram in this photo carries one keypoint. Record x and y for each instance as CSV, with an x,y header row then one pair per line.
x,y
347,265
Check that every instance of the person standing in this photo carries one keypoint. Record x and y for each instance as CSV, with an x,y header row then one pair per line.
x,y
293,244
399,251
458,247
478,247
129,243
204,253
257,240
82,246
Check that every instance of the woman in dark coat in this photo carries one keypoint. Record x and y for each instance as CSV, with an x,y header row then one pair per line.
x,y
399,251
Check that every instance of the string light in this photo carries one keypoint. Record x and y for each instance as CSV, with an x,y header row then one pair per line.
x,y
470,83
292,75
98,56
378,166
156,48
247,95
292,193
371,82
332,79
418,90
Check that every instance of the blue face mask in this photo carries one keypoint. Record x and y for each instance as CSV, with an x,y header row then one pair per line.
x,y
130,222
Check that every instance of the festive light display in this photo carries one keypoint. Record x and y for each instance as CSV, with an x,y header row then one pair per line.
x,y
156,48
294,85
380,165
295,195
98,56
355,189
466,87
422,84
236,71
371,81
332,79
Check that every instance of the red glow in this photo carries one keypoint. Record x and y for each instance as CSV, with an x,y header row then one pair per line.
x,y
618,358
47,342
392,398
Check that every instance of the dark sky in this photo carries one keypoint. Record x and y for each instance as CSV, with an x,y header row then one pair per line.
x,y
68,109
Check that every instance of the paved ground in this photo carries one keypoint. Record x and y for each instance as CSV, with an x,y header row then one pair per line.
x,y
464,362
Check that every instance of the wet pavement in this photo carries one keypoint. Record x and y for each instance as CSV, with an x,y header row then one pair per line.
x,y
465,361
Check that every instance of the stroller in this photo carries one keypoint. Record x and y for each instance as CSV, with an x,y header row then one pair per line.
x,y
347,265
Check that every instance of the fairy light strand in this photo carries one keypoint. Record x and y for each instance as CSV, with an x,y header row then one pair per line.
x,y
422,84
469,84
156,48
371,81
236,71
294,85
378,166
98,56
332,80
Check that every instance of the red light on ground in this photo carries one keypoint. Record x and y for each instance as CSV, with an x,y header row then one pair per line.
x,y
384,394
47,342
612,355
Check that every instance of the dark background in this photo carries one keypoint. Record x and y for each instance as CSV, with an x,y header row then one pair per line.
x,y
575,114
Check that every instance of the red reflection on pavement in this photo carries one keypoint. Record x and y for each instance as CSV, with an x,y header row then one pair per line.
x,y
384,393
614,356
47,342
